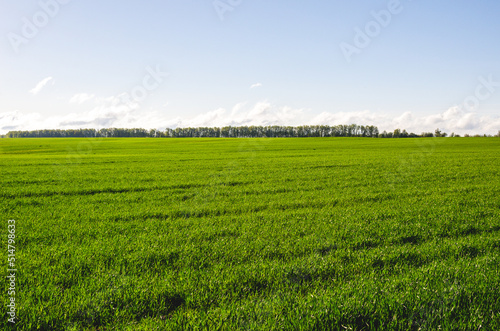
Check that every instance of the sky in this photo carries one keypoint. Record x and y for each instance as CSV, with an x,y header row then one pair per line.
x,y
417,65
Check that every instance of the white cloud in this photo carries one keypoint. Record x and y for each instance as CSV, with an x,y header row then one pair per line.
x,y
262,113
237,108
81,98
40,85
15,120
113,112
110,112
454,119
362,118
256,85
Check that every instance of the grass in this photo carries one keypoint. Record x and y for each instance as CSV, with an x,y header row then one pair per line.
x,y
253,234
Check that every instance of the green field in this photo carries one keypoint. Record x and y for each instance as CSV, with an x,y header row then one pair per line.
x,y
253,234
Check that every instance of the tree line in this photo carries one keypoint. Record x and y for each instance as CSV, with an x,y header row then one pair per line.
x,y
271,131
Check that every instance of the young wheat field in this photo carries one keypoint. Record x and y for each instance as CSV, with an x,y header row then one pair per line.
x,y
252,234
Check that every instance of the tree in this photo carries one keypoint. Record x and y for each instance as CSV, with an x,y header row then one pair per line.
x,y
438,133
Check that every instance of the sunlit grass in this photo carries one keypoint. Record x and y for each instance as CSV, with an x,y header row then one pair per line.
x,y
262,234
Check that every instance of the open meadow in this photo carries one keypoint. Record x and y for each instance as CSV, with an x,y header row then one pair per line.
x,y
252,234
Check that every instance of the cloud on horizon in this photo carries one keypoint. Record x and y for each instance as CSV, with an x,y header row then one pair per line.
x,y
113,112
454,119
81,98
256,85
40,85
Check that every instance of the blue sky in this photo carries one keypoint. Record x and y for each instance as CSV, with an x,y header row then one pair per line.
x,y
415,65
